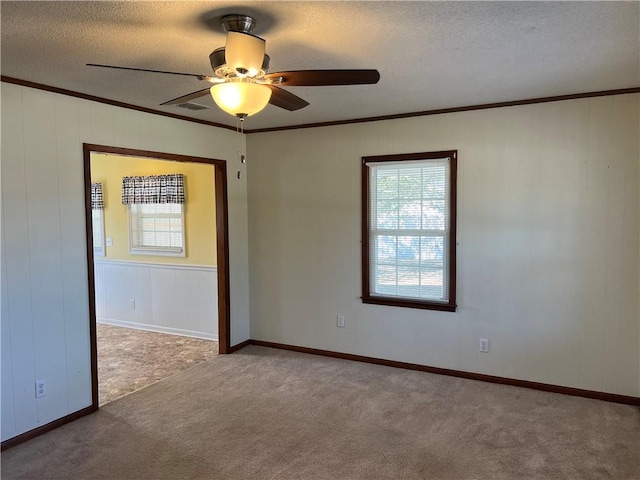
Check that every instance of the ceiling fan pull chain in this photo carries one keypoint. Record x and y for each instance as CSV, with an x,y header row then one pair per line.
x,y
243,158
238,143
239,133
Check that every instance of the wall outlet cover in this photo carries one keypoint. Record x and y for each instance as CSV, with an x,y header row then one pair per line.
x,y
41,388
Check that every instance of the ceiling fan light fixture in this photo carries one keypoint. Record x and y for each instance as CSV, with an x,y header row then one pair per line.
x,y
244,53
241,98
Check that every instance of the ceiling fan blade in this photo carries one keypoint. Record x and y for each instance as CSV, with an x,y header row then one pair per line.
x,y
318,78
287,100
199,77
186,98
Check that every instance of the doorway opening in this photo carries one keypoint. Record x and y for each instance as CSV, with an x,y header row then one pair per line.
x,y
155,295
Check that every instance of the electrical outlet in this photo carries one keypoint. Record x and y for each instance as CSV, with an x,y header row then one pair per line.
x,y
484,345
41,388
340,321
132,304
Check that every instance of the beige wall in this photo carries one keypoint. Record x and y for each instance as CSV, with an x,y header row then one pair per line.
x,y
199,209
548,256
548,241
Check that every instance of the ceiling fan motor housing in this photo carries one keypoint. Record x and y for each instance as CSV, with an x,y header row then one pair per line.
x,y
238,23
222,70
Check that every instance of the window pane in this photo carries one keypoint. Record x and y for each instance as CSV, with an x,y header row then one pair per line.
x,y
386,280
434,181
148,239
387,184
410,185
98,232
433,214
409,281
385,249
432,251
147,223
387,214
409,250
431,283
96,218
176,239
410,215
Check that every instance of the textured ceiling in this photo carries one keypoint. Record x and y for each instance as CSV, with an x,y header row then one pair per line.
x,y
430,55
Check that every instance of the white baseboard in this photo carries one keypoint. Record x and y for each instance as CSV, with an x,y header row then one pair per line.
x,y
158,329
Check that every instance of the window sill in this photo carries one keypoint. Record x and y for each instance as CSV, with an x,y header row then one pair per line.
x,y
407,303
157,253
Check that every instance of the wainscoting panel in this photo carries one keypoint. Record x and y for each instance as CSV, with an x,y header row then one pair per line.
x,y
178,299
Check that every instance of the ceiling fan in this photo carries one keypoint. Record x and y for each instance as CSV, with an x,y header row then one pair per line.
x,y
242,85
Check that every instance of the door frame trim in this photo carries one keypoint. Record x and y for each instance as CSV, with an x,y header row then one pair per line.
x,y
222,244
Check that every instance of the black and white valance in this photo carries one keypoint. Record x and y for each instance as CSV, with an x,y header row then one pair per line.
x,y
97,199
153,189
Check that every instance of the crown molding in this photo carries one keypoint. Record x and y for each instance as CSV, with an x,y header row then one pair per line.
x,y
424,113
115,103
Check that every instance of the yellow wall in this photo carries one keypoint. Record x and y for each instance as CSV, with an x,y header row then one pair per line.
x,y
199,211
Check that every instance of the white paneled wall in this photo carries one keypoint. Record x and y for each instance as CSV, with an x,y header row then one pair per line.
x,y
178,299
548,235
44,304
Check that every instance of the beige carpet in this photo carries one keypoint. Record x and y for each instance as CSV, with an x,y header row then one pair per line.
x,y
268,414
130,359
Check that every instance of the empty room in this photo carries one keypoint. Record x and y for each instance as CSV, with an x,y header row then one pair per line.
x,y
422,249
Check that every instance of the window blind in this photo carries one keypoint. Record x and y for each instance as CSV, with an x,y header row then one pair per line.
x,y
409,228
157,228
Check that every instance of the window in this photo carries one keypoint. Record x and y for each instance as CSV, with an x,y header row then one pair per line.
x,y
156,214
409,225
157,229
97,220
